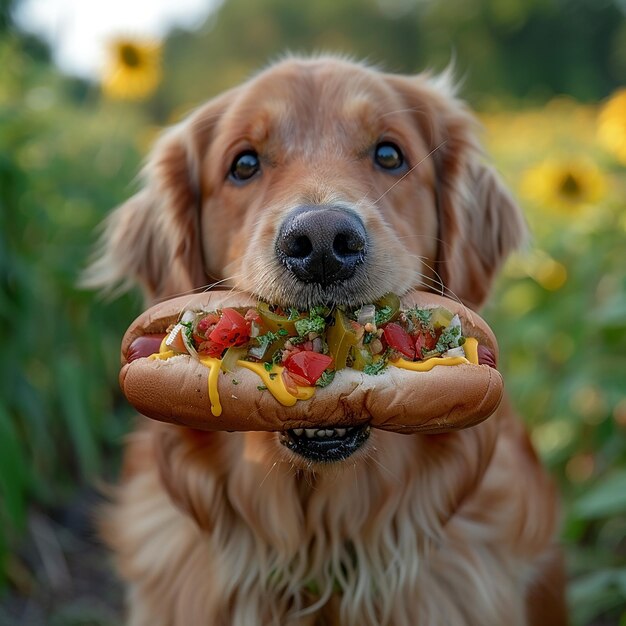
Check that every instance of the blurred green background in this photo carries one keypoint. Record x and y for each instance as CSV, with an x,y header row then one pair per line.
x,y
547,78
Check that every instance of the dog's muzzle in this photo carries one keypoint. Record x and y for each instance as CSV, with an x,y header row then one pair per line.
x,y
325,445
322,244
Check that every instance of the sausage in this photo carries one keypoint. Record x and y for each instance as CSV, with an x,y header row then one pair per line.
x,y
177,389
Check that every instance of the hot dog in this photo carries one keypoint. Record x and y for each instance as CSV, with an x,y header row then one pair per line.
x,y
225,361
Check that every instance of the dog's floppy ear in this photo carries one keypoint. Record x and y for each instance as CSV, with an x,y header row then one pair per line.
x,y
154,239
479,222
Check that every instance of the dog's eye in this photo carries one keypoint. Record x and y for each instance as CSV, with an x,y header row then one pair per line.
x,y
245,165
388,156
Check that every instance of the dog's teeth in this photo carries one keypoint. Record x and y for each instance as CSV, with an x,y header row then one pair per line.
x,y
321,433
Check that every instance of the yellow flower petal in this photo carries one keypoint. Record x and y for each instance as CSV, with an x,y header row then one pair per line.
x,y
565,186
612,125
133,71
551,275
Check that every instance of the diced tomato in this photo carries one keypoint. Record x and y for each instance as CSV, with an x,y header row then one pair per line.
x,y
198,339
231,330
210,348
252,315
298,380
398,339
359,329
424,343
308,365
293,381
290,383
206,324
287,352
205,327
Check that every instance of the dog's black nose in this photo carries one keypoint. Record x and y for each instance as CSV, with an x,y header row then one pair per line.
x,y
322,244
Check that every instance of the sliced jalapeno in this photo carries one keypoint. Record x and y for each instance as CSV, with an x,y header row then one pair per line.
x,y
440,317
361,357
387,308
274,321
341,339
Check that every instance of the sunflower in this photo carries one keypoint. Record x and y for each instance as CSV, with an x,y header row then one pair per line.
x,y
612,125
567,186
133,70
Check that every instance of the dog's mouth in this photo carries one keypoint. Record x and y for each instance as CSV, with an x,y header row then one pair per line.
x,y
325,444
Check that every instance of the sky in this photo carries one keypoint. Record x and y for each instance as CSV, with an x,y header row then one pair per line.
x,y
79,30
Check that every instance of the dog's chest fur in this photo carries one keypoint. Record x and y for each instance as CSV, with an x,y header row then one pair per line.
x,y
296,550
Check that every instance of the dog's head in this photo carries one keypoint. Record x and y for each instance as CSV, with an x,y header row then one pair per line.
x,y
318,181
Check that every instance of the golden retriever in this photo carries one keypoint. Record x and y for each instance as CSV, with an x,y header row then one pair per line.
x,y
215,528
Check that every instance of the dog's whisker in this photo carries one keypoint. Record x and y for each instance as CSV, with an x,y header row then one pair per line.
x,y
420,111
435,285
207,289
399,111
372,457
194,290
274,464
445,289
410,170
430,281
414,236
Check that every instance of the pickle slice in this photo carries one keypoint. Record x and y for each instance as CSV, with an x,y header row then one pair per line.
x,y
440,317
387,308
274,321
361,357
341,339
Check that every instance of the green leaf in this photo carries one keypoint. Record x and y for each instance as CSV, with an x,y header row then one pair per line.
x,y
14,478
77,417
315,324
612,313
607,497
595,594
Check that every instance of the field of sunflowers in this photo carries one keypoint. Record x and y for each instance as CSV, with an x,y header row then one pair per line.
x,y
560,316
68,153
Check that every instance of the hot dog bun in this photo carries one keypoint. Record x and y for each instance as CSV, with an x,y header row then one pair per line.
x,y
175,390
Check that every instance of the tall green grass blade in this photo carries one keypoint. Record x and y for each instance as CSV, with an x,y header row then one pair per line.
x,y
14,478
76,415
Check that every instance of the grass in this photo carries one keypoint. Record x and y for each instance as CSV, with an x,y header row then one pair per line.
x,y
559,311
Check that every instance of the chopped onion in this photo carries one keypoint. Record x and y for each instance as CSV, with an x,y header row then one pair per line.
x,y
376,346
258,352
230,358
189,344
255,329
367,314
455,321
188,316
176,339
455,352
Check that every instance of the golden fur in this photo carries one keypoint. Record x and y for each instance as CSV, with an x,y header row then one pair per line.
x,y
232,528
